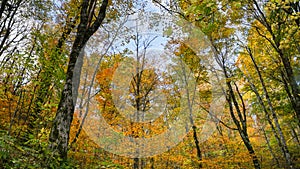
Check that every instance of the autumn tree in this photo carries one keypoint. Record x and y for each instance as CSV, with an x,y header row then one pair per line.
x,y
209,17
278,23
91,17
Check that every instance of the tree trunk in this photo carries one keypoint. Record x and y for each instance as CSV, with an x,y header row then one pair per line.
x,y
136,163
152,162
275,42
293,84
270,148
46,79
274,115
3,4
59,136
241,122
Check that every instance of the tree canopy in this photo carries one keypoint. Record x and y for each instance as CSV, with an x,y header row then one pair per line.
x,y
150,84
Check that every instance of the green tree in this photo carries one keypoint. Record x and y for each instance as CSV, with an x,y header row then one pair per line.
x,y
91,17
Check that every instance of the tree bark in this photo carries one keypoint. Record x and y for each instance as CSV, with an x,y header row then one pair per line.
x,y
3,4
286,153
292,81
59,136
270,148
240,122
275,42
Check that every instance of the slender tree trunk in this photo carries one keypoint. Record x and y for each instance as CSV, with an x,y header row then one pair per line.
x,y
199,155
270,148
275,42
274,115
152,162
136,163
267,114
295,136
59,136
293,84
241,121
190,101
3,4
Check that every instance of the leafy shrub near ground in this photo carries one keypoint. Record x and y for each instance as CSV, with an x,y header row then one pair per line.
x,y
32,154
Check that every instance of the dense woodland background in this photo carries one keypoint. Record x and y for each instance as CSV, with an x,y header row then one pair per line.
x,y
256,44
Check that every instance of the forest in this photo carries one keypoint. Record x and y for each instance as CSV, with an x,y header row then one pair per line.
x,y
150,84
